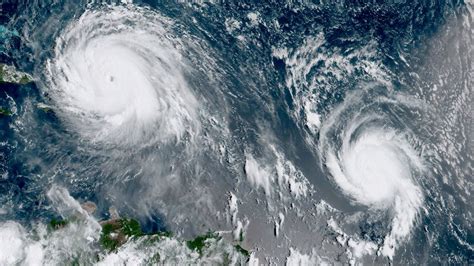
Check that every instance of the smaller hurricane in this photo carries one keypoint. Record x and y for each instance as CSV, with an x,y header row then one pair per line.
x,y
118,75
369,153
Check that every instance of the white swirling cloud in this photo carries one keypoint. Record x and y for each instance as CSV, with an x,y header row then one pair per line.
x,y
374,164
118,76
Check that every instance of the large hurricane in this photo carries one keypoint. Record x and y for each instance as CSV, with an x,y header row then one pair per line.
x,y
118,76
372,157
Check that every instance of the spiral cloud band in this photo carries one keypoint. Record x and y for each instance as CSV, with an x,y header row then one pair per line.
x,y
118,75
372,162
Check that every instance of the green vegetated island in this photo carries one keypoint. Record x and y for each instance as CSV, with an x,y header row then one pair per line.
x,y
117,232
9,74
